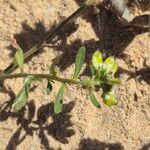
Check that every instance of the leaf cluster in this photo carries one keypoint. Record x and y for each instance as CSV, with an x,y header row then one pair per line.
x,y
102,77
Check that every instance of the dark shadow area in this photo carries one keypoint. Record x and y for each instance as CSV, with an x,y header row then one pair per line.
x,y
144,74
29,36
15,140
22,121
60,127
3,89
143,4
93,144
141,74
5,108
113,36
145,147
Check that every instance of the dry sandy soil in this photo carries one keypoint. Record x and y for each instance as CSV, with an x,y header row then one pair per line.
x,y
80,125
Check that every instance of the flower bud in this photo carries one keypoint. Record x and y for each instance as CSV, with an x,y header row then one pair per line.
x,y
109,98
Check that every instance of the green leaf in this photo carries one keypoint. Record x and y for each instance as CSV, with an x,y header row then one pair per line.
x,y
97,59
109,98
20,100
109,62
94,101
92,69
19,57
22,96
111,65
58,100
114,68
113,81
49,88
79,61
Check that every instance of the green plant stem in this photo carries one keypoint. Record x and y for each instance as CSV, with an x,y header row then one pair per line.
x,y
51,36
46,76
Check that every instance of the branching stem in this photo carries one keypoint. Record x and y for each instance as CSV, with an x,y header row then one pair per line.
x,y
51,35
46,76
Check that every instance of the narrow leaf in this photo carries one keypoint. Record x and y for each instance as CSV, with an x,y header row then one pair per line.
x,y
58,101
113,81
92,69
79,61
20,100
49,88
22,96
19,57
97,59
94,101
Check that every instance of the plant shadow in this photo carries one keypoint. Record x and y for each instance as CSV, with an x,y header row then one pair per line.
x,y
140,75
60,128
113,37
145,147
29,37
93,144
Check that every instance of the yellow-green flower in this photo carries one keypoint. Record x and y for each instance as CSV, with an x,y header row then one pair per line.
x,y
109,98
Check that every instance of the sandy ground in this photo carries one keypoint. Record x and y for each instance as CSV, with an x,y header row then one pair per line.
x,y
80,125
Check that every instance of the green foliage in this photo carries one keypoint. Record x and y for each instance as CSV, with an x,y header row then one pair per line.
x,y
102,73
58,101
97,59
113,81
110,65
21,99
49,88
92,69
102,76
94,101
19,58
22,96
114,68
79,61
109,98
